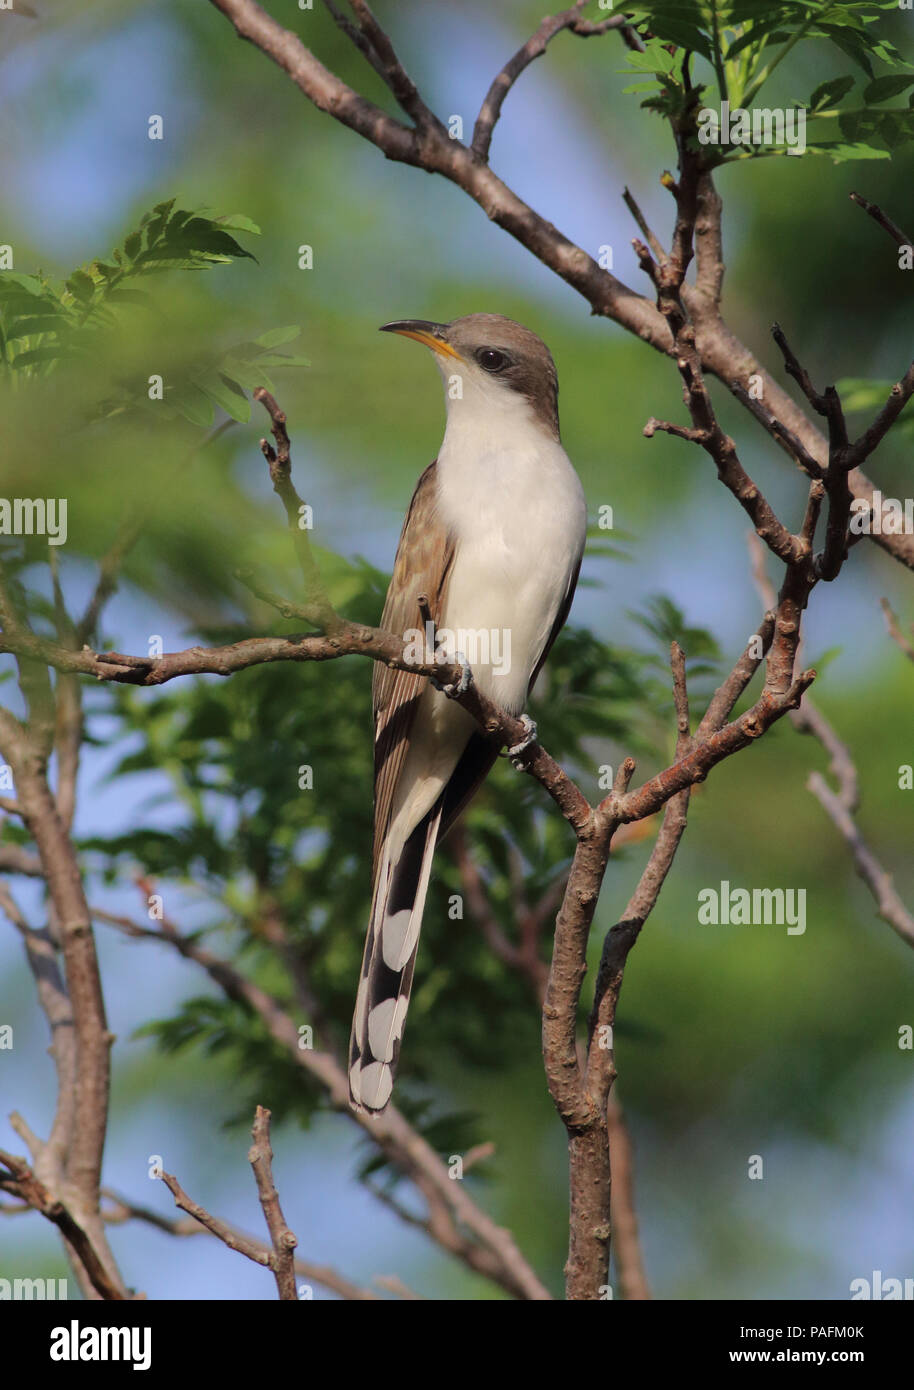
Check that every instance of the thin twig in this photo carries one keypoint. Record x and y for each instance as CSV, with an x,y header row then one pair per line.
x,y
284,1241
895,632
875,211
534,48
652,241
279,463
121,1209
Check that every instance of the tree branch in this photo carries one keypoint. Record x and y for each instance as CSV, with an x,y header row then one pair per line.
x,y
74,1178
842,805
888,903
895,632
882,218
534,48
279,1256
17,1178
278,460
431,149
282,1261
491,1251
122,1209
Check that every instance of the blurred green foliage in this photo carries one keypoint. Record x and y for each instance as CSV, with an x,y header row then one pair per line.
x,y
745,41
42,324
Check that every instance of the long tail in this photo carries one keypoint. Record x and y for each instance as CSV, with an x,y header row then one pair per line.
x,y
388,964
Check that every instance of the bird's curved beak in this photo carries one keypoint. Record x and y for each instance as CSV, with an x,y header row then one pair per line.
x,y
433,335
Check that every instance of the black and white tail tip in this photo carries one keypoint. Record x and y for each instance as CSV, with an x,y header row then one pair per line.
x,y
387,969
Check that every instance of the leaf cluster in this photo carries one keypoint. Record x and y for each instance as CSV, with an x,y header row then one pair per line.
x,y
45,323
745,41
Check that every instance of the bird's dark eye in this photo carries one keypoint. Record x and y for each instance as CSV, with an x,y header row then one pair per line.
x,y
491,360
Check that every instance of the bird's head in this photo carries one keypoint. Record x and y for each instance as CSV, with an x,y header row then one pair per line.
x,y
490,363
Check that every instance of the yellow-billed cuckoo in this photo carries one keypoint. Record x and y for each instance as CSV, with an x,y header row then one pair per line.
x,y
491,548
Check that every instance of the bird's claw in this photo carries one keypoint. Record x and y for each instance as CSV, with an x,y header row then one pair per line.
x,y
515,751
455,688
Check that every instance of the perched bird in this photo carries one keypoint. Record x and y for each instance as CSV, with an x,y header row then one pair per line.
x,y
490,551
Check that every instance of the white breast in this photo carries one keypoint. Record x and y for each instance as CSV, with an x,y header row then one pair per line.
x,y
515,505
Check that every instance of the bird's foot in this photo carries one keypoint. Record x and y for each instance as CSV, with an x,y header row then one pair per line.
x,y
515,751
455,688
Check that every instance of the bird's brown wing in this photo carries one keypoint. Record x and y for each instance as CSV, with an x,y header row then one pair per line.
x,y
423,564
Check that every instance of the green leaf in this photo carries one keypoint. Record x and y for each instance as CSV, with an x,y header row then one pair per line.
x,y
226,393
651,60
237,222
895,129
852,123
281,359
883,88
829,93
101,270
188,242
241,407
754,35
81,286
242,370
682,22
276,336
744,11
201,235
12,283
842,153
36,355
125,296
849,42
38,323
193,404
889,127
178,219
154,226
